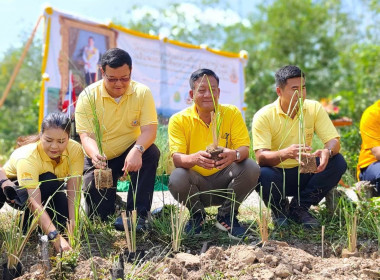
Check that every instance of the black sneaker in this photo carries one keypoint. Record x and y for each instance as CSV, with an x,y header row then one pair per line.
x,y
279,218
2,198
141,225
194,224
232,226
280,221
302,216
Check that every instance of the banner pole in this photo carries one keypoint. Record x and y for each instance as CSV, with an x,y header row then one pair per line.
x,y
19,63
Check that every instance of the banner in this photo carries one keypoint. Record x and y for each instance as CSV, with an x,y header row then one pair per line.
x,y
73,48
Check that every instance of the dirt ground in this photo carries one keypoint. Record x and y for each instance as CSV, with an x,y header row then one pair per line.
x,y
273,260
296,259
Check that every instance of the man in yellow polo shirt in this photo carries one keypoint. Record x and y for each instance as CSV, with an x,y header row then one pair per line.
x,y
128,122
199,181
369,158
277,143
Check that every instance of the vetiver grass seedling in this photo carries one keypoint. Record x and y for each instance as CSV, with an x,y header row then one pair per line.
x,y
178,221
103,177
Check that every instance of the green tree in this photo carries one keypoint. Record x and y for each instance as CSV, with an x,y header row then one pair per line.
x,y
19,113
303,33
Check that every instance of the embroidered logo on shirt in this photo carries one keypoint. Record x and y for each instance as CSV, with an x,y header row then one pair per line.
x,y
26,176
135,123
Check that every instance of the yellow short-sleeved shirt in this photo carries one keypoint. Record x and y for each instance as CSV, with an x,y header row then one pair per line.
x,y
119,122
370,133
28,162
188,134
272,129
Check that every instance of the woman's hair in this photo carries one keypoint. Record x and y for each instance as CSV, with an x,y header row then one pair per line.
x,y
52,120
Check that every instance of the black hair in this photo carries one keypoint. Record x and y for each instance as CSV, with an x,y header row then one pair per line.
x,y
115,58
287,72
52,120
56,120
200,73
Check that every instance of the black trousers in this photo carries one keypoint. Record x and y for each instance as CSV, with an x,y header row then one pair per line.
x,y
102,202
57,207
312,188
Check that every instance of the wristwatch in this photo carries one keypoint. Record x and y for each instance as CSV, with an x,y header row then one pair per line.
x,y
140,148
330,153
52,235
2,181
237,155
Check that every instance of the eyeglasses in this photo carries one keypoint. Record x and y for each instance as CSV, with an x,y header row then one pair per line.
x,y
114,80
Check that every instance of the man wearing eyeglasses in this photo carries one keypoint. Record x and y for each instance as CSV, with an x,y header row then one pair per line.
x,y
128,125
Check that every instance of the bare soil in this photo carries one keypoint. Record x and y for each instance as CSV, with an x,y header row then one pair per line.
x,y
103,178
214,152
206,258
272,260
309,164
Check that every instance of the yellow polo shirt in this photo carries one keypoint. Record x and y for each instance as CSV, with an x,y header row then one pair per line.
x,y
119,122
188,134
28,162
370,133
272,129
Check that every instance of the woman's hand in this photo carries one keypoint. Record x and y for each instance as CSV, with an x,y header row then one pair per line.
x,y
61,245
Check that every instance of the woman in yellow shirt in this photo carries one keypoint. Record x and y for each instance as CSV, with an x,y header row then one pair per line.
x,y
40,165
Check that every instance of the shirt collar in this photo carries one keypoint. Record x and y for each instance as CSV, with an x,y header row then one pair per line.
x,y
194,112
279,109
42,153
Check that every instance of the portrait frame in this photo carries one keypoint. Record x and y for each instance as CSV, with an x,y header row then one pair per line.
x,y
70,31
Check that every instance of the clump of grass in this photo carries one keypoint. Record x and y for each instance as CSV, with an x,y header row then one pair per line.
x,y
94,119
351,218
130,234
263,219
216,118
177,218
14,240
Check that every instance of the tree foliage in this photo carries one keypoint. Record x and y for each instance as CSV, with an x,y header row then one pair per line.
x,y
337,51
19,113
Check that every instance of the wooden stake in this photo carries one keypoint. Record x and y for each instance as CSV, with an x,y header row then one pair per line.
x,y
124,218
323,241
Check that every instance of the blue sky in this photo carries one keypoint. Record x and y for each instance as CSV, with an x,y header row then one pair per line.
x,y
17,17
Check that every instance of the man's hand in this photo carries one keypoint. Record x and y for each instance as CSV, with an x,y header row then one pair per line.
x,y
133,161
202,159
99,161
292,152
324,156
227,157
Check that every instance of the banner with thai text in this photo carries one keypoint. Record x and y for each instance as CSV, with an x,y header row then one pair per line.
x,y
74,46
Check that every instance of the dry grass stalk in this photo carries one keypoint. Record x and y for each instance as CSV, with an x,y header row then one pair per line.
x,y
353,234
263,222
133,229
127,236
177,222
14,239
323,241
214,130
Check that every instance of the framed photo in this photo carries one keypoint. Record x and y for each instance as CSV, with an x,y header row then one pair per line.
x,y
81,49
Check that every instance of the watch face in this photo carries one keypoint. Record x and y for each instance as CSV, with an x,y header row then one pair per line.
x,y
52,235
140,148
